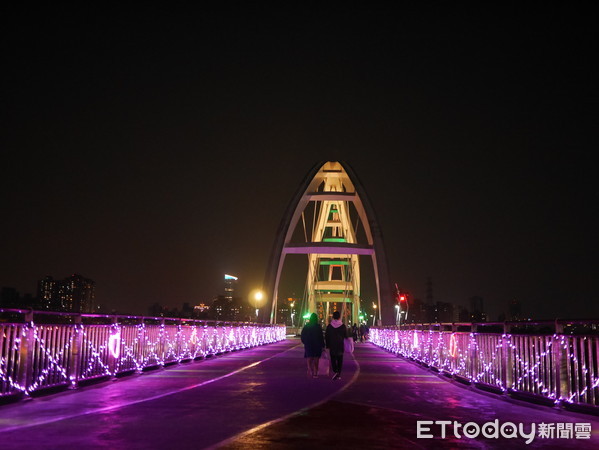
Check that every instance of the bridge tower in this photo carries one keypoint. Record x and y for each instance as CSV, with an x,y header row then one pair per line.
x,y
338,206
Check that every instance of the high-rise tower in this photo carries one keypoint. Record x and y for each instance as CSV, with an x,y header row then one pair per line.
x,y
230,285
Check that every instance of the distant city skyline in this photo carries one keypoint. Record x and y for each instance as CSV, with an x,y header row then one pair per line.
x,y
77,294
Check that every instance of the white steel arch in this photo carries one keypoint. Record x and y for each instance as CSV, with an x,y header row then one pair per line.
x,y
332,247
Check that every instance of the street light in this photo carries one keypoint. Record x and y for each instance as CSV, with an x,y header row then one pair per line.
x,y
257,298
374,315
292,314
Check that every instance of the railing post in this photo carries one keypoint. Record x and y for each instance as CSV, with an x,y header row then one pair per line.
x,y
179,340
75,357
506,353
473,353
26,352
162,350
141,345
112,358
429,342
561,363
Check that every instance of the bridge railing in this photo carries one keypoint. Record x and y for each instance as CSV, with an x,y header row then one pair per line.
x,y
41,350
556,362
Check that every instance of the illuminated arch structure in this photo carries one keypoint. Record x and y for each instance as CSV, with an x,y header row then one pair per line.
x,y
333,194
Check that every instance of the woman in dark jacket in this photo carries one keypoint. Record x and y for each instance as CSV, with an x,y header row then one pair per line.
x,y
335,335
313,344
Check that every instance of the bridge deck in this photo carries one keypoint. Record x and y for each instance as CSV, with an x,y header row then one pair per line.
x,y
261,398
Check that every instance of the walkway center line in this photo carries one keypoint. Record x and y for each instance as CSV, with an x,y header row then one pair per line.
x,y
290,415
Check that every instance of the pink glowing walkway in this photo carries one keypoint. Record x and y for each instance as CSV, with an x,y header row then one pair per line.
x,y
261,398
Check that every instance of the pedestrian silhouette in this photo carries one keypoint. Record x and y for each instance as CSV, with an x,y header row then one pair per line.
x,y
335,335
313,344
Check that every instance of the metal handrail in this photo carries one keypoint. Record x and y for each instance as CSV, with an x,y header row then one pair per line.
x,y
560,326
25,312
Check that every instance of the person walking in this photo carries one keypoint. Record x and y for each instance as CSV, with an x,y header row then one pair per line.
x,y
313,344
334,338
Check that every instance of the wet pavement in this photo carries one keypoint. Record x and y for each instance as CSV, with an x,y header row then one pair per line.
x,y
262,398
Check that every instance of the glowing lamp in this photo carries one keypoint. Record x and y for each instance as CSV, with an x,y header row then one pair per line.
x,y
257,298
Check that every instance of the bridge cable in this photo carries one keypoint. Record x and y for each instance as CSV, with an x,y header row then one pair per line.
x,y
304,222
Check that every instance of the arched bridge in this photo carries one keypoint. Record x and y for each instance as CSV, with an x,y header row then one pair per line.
x,y
126,382
332,222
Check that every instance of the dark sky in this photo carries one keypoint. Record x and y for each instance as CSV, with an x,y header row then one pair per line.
x,y
154,150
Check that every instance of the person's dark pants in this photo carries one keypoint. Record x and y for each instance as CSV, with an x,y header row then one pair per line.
x,y
337,363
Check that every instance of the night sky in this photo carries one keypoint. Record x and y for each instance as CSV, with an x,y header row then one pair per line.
x,y
154,150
